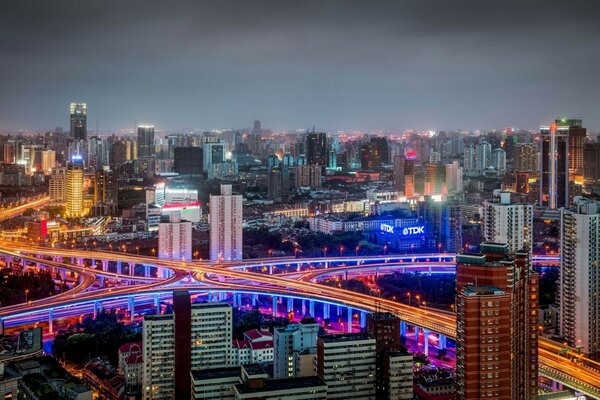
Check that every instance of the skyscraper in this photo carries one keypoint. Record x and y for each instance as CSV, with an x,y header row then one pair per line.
x,y
74,188
78,120
496,349
554,166
316,148
577,134
308,176
48,161
591,164
188,161
507,222
525,157
145,140
106,186
225,222
58,186
579,321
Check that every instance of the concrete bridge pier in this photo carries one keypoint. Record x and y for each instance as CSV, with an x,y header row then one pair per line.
x,y
131,307
349,318
274,306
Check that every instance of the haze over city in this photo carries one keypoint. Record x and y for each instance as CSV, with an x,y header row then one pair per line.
x,y
383,65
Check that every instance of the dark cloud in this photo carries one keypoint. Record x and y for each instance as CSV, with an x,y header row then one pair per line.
x,y
335,64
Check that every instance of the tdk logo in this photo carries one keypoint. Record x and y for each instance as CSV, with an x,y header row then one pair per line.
x,y
413,230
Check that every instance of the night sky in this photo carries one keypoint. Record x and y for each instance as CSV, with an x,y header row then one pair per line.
x,y
294,64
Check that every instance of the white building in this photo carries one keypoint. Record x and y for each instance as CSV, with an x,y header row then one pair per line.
x,y
211,335
175,239
215,384
507,222
454,177
159,357
295,349
226,221
347,364
483,157
499,160
579,320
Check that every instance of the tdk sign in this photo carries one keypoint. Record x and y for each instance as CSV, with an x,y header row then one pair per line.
x,y
408,231
414,230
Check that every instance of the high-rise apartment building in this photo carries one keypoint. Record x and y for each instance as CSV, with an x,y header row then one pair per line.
x,y
74,191
579,282
496,349
278,184
507,222
78,120
145,141
174,238
195,337
554,166
483,156
294,349
58,185
214,153
225,222
346,363
308,176
454,177
435,180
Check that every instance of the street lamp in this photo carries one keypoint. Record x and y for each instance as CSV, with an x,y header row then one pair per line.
x,y
356,249
408,294
341,251
26,292
325,251
384,249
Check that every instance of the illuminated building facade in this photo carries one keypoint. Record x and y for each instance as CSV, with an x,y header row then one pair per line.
x,y
74,190
225,222
175,238
145,141
554,166
497,325
78,120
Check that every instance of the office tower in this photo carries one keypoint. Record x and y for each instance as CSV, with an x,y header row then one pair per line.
x,y
496,349
195,337
443,220
435,180
106,187
174,238
58,185
525,157
381,143
346,363
308,176
78,119
554,166
579,321
454,177
98,152
213,153
499,160
591,163
409,173
394,373
316,148
145,141
371,156
577,135
504,221
225,222
74,188
188,161
295,348
256,130
48,161
399,162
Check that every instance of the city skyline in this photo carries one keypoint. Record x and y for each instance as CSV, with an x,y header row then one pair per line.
x,y
388,66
